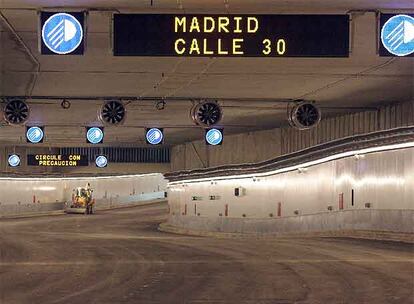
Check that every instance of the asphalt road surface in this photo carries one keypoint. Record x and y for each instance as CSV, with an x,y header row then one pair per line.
x,y
119,256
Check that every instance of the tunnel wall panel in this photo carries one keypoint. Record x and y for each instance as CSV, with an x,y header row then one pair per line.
x,y
373,191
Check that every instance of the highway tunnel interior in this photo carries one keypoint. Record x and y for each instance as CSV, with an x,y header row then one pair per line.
x,y
219,151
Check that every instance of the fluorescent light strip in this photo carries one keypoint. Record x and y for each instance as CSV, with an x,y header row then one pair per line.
x,y
304,165
76,178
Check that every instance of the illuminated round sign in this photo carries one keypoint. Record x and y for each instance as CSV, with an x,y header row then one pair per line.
x,y
214,137
154,136
14,160
95,135
62,33
101,161
34,135
397,35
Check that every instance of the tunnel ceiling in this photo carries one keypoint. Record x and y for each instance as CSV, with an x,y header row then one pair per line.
x,y
217,5
252,90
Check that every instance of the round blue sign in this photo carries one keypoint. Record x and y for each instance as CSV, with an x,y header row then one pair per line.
x,y
214,137
14,160
397,35
154,136
95,135
101,161
34,135
62,33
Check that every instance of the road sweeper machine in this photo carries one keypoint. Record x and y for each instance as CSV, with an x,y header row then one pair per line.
x,y
82,201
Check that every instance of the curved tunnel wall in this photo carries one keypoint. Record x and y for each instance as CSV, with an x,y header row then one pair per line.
x,y
39,194
369,192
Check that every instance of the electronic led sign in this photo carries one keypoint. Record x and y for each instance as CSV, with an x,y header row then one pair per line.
x,y
57,160
397,35
231,35
62,33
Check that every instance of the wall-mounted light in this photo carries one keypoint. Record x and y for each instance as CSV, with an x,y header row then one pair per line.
x,y
94,135
34,135
302,170
14,160
154,136
359,156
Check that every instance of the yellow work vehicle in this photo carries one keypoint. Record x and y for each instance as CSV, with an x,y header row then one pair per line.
x,y
82,201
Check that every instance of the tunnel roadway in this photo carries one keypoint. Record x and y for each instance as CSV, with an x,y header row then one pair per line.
x,y
118,256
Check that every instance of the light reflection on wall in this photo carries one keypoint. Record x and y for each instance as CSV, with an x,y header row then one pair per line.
x,y
176,189
44,188
370,181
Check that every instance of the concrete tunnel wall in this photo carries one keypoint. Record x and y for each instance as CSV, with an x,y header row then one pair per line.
x,y
382,184
21,195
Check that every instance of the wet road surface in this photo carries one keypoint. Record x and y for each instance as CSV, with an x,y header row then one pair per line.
x,y
118,256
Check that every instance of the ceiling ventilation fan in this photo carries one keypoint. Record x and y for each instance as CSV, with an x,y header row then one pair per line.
x,y
16,112
206,113
304,115
112,112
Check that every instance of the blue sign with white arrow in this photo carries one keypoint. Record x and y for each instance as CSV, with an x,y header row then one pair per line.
x,y
154,136
214,137
34,135
14,160
397,35
101,161
95,135
62,33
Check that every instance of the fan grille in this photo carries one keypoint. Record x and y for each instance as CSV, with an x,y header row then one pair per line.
x,y
305,116
113,112
207,114
16,112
